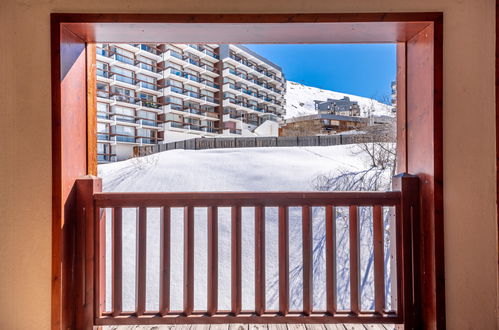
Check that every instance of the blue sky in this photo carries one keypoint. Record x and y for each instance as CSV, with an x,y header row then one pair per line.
x,y
360,69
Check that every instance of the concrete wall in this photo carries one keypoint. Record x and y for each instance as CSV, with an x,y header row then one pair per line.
x,y
123,151
267,128
469,162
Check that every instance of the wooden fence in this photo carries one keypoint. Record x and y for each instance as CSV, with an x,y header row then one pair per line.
x,y
248,142
91,255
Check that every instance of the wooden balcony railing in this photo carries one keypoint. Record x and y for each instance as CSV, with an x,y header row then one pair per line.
x,y
95,208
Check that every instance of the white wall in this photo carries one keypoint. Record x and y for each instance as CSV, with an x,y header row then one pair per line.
x,y
267,128
123,151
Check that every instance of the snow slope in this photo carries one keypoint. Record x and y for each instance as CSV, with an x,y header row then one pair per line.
x,y
252,169
300,101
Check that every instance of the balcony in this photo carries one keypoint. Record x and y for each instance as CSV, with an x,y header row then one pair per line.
x,y
147,122
124,138
149,104
100,208
106,158
148,48
204,51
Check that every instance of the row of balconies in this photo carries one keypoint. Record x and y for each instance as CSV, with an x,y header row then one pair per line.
x,y
187,94
192,110
113,138
186,126
106,158
113,119
246,92
132,61
135,102
188,62
185,58
190,78
261,71
197,50
234,116
236,74
242,105
113,77
138,103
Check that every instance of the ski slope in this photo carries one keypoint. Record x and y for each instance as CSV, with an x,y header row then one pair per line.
x,y
251,169
300,101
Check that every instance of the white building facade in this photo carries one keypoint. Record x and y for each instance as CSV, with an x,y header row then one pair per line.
x,y
150,94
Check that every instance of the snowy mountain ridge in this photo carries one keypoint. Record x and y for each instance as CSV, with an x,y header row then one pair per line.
x,y
300,101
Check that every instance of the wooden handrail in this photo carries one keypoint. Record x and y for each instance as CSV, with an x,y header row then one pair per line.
x,y
405,199
204,199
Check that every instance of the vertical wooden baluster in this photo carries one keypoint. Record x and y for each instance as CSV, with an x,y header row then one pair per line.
x,y
379,273
399,243
331,259
259,260
212,259
354,259
283,260
164,259
100,218
308,287
117,260
236,290
188,260
141,260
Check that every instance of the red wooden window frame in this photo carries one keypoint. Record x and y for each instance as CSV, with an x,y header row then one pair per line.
x,y
419,77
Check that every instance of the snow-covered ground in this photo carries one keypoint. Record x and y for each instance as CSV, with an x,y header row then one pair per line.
x,y
300,101
251,169
238,169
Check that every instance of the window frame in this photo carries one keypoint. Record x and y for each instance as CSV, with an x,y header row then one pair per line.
x,y
419,55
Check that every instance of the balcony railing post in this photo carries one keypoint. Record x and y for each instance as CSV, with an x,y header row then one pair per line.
x,y
408,258
85,251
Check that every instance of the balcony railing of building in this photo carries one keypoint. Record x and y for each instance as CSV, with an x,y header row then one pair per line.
x,y
107,52
114,136
253,67
99,229
252,93
148,48
204,50
192,126
200,64
106,157
131,80
254,81
180,73
191,93
129,99
246,105
199,110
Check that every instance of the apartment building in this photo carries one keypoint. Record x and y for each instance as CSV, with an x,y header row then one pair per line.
x,y
341,107
149,94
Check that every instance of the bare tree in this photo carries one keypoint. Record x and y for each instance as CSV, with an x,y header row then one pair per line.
x,y
378,143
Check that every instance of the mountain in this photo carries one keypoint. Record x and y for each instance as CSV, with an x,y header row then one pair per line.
x,y
300,101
